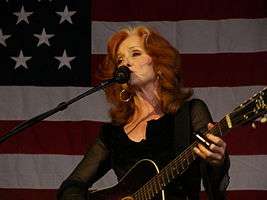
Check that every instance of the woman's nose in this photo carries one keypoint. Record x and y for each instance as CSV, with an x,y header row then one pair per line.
x,y
126,63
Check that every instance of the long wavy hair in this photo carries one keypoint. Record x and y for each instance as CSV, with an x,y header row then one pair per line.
x,y
166,64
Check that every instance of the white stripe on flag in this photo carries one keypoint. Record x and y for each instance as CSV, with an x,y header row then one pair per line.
x,y
48,171
196,36
21,103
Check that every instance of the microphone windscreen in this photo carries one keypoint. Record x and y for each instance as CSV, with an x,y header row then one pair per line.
x,y
122,74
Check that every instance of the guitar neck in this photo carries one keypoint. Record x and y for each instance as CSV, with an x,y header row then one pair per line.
x,y
248,111
180,164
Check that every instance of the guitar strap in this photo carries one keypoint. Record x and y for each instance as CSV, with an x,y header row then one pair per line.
x,y
183,137
182,128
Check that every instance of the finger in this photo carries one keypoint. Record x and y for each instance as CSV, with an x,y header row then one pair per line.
x,y
199,153
210,125
208,154
217,149
214,162
203,156
216,140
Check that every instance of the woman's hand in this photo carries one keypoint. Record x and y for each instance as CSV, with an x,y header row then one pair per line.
x,y
215,153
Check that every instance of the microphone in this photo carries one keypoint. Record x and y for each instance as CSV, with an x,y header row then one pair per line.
x,y
122,74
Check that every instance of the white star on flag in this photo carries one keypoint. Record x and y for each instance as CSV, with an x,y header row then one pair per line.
x,y
64,60
43,38
3,38
21,60
66,15
22,15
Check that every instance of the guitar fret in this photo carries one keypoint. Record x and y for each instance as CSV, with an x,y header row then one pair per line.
x,y
163,180
174,169
137,196
167,176
149,192
187,159
172,175
143,195
156,185
182,165
158,182
142,191
152,189
175,163
146,193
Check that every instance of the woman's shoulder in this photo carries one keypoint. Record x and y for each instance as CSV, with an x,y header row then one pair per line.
x,y
108,126
109,130
194,104
199,109
197,103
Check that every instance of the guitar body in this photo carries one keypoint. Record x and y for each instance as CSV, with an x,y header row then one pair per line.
x,y
134,179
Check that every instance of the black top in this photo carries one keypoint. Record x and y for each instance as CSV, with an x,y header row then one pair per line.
x,y
166,138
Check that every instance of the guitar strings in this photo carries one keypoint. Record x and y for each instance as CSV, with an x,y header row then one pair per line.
x,y
189,154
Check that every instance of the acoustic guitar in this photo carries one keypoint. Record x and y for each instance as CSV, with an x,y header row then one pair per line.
x,y
144,181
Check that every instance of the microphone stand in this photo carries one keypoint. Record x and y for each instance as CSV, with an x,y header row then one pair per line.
x,y
60,107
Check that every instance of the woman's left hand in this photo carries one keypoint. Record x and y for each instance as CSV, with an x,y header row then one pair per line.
x,y
215,153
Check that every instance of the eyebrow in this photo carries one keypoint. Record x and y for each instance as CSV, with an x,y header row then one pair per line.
x,y
134,47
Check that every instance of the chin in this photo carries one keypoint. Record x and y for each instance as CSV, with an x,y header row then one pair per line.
x,y
139,83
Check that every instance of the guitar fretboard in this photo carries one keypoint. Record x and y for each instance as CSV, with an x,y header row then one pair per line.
x,y
176,167
246,112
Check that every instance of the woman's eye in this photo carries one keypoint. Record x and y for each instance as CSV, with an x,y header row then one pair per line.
x,y
119,60
134,54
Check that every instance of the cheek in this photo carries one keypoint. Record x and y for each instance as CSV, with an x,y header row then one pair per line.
x,y
146,60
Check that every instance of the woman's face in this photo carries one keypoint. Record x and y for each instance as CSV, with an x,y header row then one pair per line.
x,y
132,54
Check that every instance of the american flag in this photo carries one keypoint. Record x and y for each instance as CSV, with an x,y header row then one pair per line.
x,y
44,56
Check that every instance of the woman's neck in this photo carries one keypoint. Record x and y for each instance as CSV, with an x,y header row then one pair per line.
x,y
147,99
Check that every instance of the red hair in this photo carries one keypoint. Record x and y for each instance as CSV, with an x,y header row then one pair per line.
x,y
166,63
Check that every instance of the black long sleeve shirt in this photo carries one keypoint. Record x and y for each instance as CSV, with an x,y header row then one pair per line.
x,y
114,150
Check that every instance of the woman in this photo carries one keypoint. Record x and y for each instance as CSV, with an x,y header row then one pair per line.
x,y
152,118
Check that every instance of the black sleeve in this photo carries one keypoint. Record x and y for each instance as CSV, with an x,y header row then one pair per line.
x,y
215,179
93,166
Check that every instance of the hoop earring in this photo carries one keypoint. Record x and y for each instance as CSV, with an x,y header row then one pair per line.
x,y
123,94
158,75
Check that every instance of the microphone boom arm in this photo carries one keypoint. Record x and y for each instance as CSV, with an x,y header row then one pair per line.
x,y
60,107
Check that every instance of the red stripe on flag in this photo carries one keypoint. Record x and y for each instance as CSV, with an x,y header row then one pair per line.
x,y
246,140
176,10
31,194
72,138
224,69
51,137
242,194
27,194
